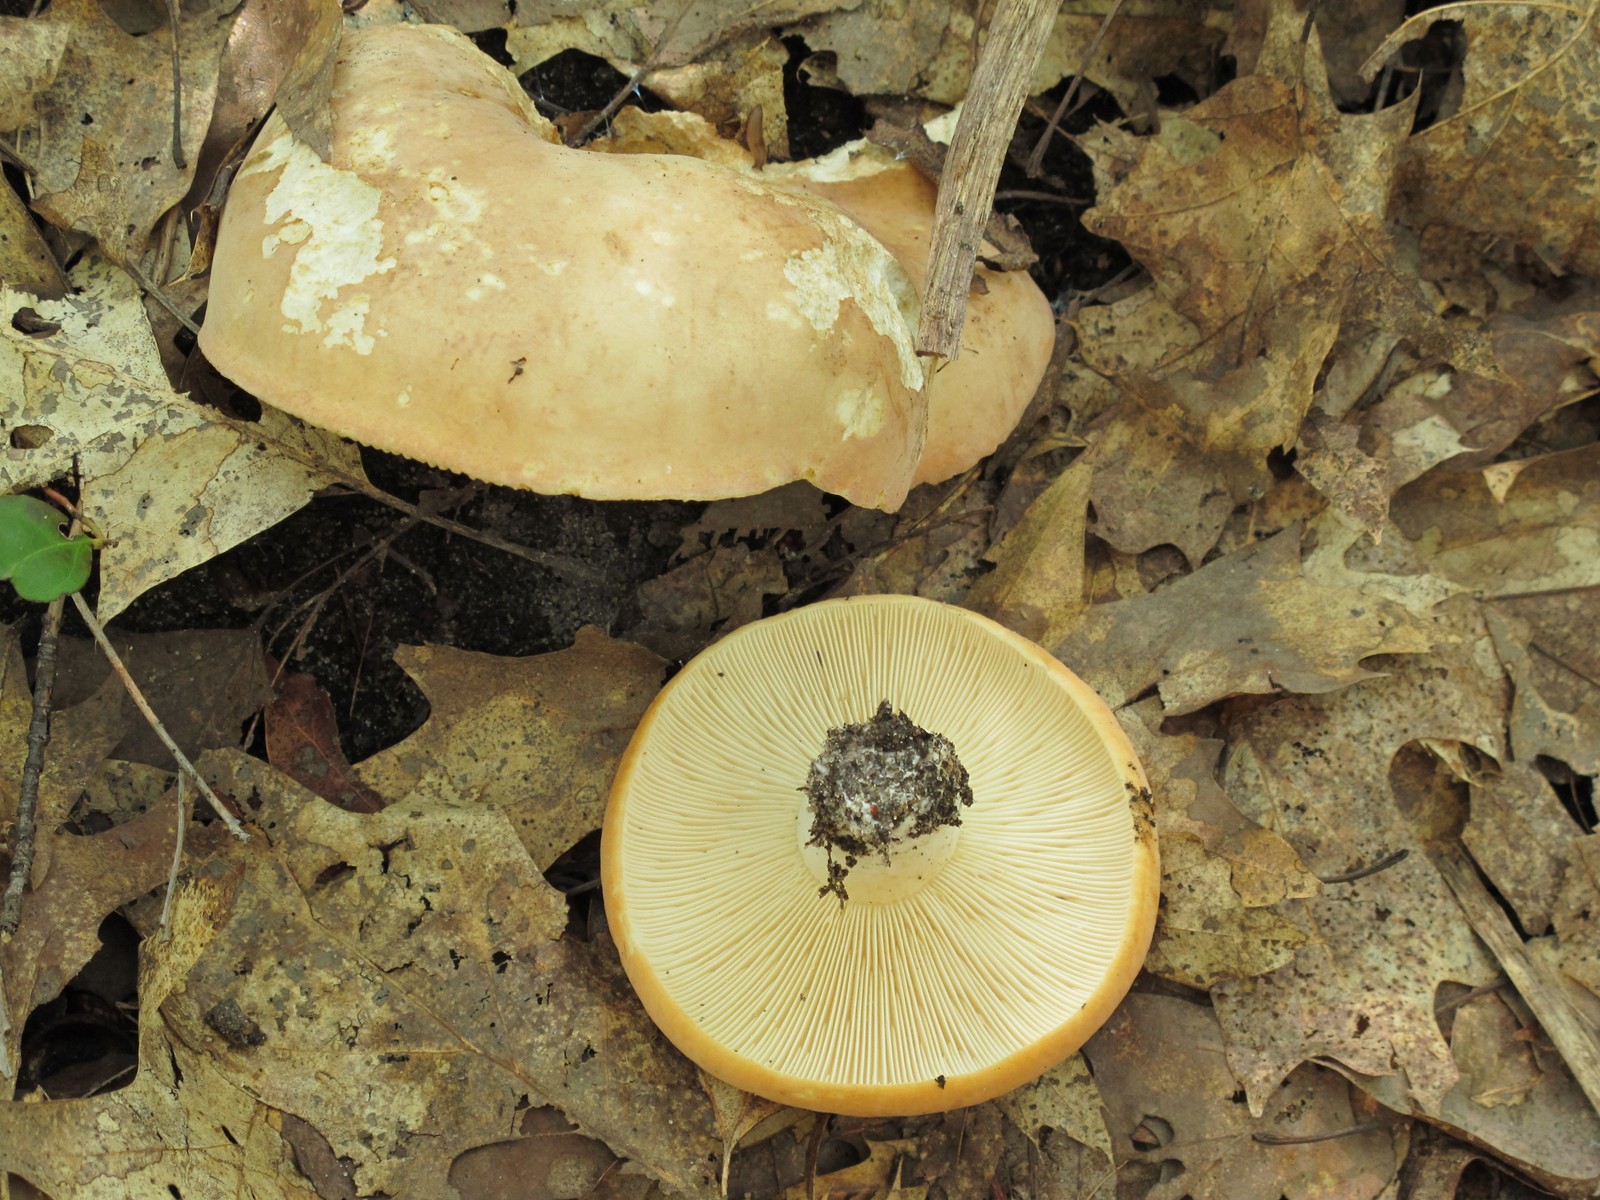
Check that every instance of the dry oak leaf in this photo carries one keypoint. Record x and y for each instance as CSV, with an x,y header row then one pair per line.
x,y
1510,529
887,47
1222,874
1260,214
1518,157
1345,780
30,55
183,1127
168,483
103,138
89,878
1064,1099
1160,1067
1268,626
1538,726
535,738
411,976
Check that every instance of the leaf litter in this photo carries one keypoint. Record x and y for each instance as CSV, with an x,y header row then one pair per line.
x,y
1313,504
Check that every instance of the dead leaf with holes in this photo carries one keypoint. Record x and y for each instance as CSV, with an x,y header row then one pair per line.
x,y
1224,878
1179,1126
168,483
1516,156
535,738
1321,772
182,1127
415,991
1260,214
103,139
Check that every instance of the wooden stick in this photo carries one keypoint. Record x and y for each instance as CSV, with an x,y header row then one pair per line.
x,y
1542,988
26,832
149,713
1017,36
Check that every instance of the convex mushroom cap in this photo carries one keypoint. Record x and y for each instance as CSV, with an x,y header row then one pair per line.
x,y
975,400
456,286
964,961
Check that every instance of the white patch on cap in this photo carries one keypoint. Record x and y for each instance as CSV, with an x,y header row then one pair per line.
x,y
852,265
860,411
486,283
369,148
333,223
403,399
651,291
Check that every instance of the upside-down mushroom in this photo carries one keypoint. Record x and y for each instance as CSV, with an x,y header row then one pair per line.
x,y
879,856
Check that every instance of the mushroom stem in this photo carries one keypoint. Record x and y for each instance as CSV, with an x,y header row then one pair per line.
x,y
881,783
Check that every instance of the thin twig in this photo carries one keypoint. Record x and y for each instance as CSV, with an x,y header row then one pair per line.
x,y
154,721
25,837
1036,159
1306,1139
178,159
177,862
1383,864
7,150
1544,988
1487,989
160,297
646,69
1017,37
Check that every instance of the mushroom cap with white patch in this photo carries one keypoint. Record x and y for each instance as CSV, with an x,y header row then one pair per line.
x,y
1009,948
975,400
455,286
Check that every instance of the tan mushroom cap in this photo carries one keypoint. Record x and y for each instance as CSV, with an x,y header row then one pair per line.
x,y
982,975
455,286
975,400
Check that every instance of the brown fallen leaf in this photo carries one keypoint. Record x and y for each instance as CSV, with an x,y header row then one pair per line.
x,y
535,738
1064,1099
1037,586
1514,158
182,1126
1270,625
1520,836
88,878
1179,1126
1320,771
1260,213
204,685
1524,526
103,141
711,594
1223,876
409,972
302,735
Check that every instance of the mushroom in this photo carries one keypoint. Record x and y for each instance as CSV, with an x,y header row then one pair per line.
x,y
454,285
975,400
807,903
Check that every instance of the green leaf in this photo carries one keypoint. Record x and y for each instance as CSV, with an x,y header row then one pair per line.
x,y
41,562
